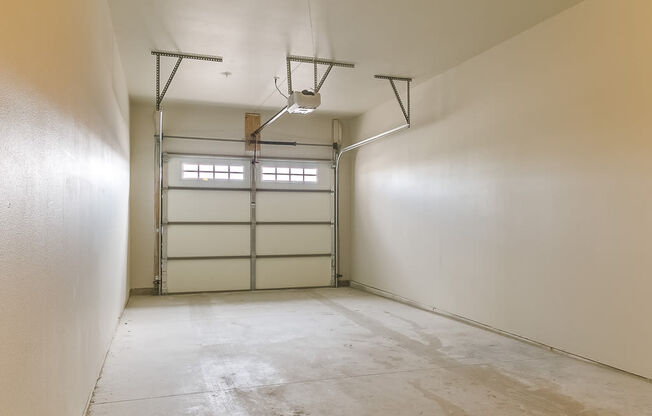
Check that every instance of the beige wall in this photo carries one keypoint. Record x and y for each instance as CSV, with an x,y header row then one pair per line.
x,y
522,195
201,120
64,163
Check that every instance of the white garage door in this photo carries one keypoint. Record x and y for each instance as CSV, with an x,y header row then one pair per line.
x,y
231,225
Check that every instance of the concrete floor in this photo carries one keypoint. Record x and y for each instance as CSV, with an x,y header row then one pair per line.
x,y
338,352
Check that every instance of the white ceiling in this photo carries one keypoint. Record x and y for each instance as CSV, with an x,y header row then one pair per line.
x,y
417,38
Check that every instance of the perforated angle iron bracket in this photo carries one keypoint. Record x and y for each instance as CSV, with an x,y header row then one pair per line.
x,y
314,61
180,57
392,79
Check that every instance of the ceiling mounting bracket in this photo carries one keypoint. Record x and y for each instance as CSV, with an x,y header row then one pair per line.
x,y
392,79
254,136
180,57
317,84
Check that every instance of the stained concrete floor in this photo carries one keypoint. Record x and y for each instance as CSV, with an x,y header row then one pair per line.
x,y
338,352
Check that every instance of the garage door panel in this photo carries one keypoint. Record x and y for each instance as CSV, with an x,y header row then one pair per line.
x,y
208,240
208,275
293,206
293,239
299,272
200,205
207,234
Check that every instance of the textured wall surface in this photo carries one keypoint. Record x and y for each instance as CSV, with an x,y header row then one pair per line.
x,y
64,186
522,195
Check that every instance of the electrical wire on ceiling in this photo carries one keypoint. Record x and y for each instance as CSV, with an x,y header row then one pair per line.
x,y
312,37
274,92
314,53
277,88
312,30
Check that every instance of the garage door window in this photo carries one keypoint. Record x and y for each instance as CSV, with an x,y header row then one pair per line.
x,y
286,174
212,172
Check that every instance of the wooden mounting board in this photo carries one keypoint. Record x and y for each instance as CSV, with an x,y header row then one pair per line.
x,y
252,122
